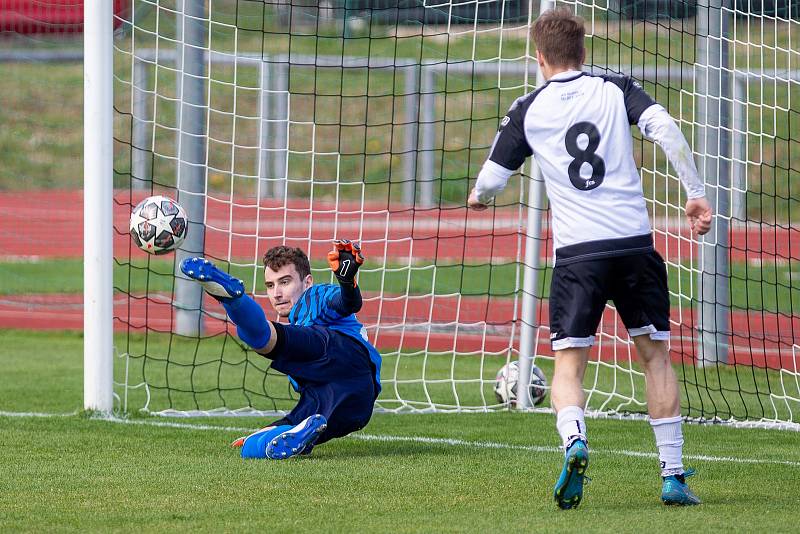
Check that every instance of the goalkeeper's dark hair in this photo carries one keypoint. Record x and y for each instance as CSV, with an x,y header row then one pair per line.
x,y
277,257
559,34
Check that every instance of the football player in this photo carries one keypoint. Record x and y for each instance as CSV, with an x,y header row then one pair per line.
x,y
577,127
323,349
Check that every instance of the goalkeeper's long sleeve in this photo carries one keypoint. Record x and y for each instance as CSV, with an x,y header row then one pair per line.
x,y
656,124
348,300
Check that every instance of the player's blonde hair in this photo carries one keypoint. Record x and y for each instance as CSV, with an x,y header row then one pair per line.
x,y
559,34
277,257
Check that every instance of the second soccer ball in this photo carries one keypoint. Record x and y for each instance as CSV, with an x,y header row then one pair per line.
x,y
506,384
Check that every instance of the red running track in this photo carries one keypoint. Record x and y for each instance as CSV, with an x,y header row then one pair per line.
x,y
49,224
764,340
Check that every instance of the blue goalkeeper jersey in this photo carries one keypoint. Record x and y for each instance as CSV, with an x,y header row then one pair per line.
x,y
320,305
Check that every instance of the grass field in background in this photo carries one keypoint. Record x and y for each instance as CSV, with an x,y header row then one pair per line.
x,y
41,145
770,287
403,473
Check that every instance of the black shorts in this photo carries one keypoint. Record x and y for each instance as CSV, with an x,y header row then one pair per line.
x,y
335,375
637,284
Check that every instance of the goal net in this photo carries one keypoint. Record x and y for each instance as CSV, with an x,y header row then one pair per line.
x,y
297,123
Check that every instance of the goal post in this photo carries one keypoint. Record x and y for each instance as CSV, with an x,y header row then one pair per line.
x,y
531,294
98,202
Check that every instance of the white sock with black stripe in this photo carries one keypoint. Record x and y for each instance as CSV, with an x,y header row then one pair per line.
x,y
570,425
669,440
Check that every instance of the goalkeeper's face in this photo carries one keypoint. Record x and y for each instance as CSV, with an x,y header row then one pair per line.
x,y
284,287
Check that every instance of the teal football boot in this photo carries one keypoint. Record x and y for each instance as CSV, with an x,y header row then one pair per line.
x,y
675,492
569,488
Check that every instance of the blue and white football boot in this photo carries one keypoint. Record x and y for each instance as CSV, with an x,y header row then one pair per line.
x,y
255,444
215,282
569,488
284,441
297,439
675,492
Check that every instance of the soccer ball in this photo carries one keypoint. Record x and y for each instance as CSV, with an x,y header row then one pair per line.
x,y
505,385
158,225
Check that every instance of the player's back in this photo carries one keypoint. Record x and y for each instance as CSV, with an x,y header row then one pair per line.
x,y
578,128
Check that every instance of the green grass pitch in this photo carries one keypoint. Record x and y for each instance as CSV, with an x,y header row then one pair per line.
x,y
403,473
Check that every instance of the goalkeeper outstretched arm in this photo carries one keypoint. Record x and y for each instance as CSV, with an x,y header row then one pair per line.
x,y
345,259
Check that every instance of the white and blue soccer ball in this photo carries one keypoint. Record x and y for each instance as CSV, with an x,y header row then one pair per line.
x,y
507,381
158,225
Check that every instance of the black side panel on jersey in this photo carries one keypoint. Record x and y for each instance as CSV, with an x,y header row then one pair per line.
x,y
636,99
510,147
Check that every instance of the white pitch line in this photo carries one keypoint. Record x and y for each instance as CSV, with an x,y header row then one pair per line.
x,y
419,439
538,448
36,414
170,424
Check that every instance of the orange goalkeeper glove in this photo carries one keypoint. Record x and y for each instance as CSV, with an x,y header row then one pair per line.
x,y
345,259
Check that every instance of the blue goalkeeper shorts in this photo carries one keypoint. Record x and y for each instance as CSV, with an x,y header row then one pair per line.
x,y
335,375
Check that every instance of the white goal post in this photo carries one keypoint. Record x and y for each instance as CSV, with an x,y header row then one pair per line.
x,y
98,201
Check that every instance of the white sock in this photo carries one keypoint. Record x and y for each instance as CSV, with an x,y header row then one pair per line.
x,y
669,440
571,425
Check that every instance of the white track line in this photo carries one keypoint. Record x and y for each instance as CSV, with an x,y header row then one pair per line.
x,y
418,439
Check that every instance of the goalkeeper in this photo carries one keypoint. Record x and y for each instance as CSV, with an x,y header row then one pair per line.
x,y
324,349
577,127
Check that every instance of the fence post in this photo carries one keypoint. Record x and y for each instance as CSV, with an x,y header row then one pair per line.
x,y
190,182
141,159
280,156
411,147
714,143
264,130
428,116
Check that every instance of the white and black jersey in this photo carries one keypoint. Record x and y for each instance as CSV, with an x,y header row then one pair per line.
x,y
577,127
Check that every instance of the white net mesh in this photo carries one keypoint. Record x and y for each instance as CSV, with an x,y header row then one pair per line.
x,y
288,124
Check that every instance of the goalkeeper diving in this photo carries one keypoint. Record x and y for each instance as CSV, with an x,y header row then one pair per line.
x,y
323,350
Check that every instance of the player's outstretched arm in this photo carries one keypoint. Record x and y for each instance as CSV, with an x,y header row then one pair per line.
x,y
656,124
345,259
492,179
251,323
509,151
